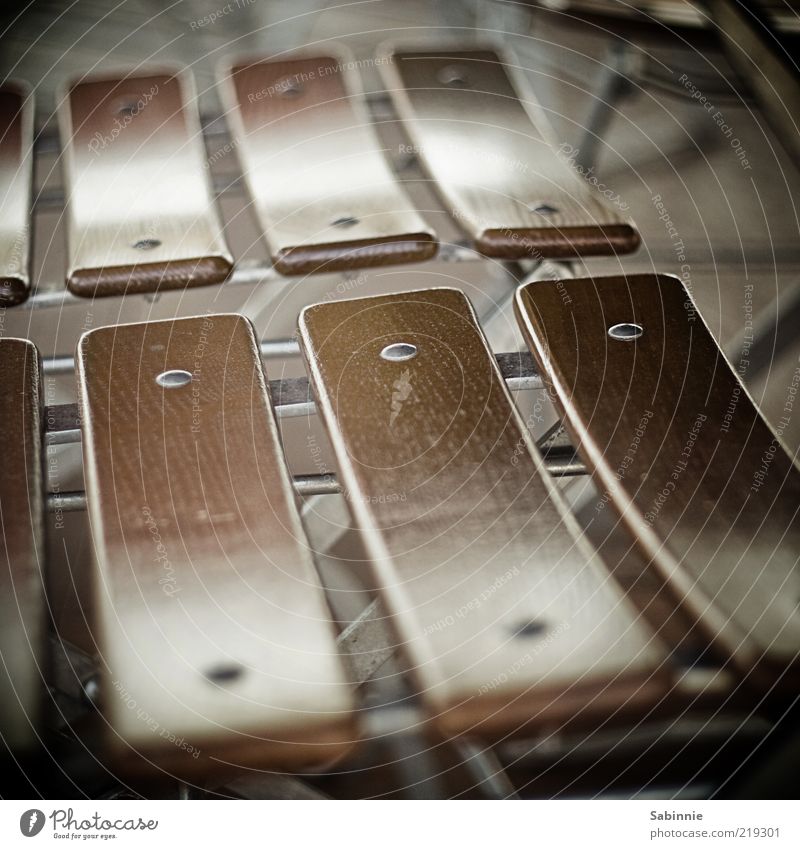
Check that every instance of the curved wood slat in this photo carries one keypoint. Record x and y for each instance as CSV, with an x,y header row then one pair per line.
x,y
323,192
679,449
141,216
488,150
508,620
16,178
212,625
22,601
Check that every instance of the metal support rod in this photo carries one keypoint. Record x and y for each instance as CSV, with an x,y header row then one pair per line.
x,y
764,63
615,84
291,396
560,462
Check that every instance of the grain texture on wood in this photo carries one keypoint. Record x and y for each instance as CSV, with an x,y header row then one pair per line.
x,y
488,148
22,601
211,618
325,197
16,176
140,213
679,449
506,616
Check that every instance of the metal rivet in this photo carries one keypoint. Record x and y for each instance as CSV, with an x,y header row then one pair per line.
x,y
289,87
399,352
626,331
91,689
224,673
128,108
542,208
530,629
344,221
174,378
452,75
146,244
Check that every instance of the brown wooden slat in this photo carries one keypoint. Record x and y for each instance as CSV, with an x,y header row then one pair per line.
x,y
323,192
140,213
16,176
681,452
22,602
489,150
211,619
506,617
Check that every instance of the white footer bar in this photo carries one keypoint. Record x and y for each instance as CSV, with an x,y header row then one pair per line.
x,y
343,825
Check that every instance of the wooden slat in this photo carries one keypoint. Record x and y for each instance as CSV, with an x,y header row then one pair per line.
x,y
680,450
212,624
22,603
141,216
487,146
506,617
322,190
16,174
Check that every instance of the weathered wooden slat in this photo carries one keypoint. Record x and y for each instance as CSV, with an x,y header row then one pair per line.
x,y
22,600
325,197
16,175
506,616
141,217
487,146
212,625
680,450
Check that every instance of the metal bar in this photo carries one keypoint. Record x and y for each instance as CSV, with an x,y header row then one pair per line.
x,y
561,463
756,53
317,485
615,85
66,502
366,643
486,770
291,396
